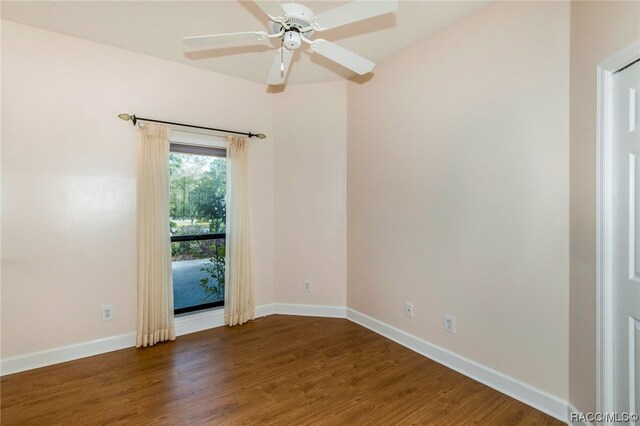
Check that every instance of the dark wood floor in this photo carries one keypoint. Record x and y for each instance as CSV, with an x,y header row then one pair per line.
x,y
280,370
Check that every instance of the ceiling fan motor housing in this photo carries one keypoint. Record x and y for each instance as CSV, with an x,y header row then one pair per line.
x,y
292,40
299,17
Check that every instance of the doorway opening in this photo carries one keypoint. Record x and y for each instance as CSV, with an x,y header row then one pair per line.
x,y
618,239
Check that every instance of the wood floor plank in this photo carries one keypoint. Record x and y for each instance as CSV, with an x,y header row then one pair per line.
x,y
280,370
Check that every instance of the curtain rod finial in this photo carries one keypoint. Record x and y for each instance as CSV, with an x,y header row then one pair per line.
x,y
126,117
261,136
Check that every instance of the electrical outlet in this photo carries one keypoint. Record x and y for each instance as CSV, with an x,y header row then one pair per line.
x,y
408,310
306,286
449,324
107,312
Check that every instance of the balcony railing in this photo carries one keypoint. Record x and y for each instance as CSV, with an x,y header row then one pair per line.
x,y
198,271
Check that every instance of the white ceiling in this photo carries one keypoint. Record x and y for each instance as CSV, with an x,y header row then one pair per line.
x,y
156,29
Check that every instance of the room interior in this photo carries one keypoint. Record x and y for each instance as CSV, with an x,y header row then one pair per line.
x,y
458,176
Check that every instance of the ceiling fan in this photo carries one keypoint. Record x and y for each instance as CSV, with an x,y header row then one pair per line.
x,y
294,23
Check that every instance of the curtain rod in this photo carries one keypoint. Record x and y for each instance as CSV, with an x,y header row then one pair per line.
x,y
126,117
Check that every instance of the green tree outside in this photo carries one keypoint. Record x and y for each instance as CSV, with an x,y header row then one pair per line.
x,y
198,206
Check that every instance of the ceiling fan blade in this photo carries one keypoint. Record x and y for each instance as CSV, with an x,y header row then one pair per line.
x,y
354,11
342,56
271,7
206,40
280,66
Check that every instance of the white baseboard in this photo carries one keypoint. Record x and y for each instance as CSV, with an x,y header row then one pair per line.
x,y
572,409
523,392
66,353
310,310
199,321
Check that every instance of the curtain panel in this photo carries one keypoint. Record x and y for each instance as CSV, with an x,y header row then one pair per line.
x,y
155,283
239,302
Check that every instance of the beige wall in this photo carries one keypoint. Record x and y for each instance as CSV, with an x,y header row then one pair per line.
x,y
458,186
310,197
68,178
598,30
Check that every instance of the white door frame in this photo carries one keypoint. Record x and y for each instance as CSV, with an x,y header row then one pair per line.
x,y
604,223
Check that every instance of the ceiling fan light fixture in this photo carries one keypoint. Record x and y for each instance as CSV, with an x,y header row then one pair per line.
x,y
292,40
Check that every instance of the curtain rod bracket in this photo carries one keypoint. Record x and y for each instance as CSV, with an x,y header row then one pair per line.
x,y
127,117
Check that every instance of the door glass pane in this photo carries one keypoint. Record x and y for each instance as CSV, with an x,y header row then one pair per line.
x,y
198,185
197,214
